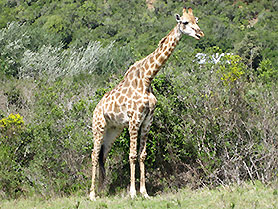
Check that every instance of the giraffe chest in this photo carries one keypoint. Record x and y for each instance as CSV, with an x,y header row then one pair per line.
x,y
119,108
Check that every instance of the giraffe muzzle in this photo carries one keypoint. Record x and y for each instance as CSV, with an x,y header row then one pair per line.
x,y
199,34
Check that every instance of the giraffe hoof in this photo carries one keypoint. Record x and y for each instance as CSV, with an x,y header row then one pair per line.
x,y
92,196
145,195
133,195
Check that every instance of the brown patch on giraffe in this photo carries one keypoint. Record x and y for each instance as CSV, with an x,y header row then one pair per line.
x,y
134,105
151,59
136,96
146,65
157,56
162,41
141,108
140,86
167,53
130,113
116,108
124,90
148,73
126,84
110,107
166,41
121,99
137,73
117,94
129,92
134,83
161,59
131,74
106,106
155,71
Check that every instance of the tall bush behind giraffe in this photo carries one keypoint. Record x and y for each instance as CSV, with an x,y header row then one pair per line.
x,y
205,131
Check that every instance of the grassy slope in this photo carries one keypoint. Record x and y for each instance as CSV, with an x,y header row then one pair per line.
x,y
244,196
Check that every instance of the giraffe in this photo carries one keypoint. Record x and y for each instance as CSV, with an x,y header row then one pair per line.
x,y
131,104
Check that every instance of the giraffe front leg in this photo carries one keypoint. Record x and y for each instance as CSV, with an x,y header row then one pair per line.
x,y
133,132
143,153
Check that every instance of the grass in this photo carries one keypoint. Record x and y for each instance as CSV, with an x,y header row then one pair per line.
x,y
248,195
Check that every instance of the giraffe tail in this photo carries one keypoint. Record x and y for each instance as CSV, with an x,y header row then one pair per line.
x,y
101,164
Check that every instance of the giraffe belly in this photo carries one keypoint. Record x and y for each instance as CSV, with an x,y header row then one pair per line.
x,y
116,119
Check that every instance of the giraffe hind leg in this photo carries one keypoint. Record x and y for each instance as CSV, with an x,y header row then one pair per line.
x,y
109,137
145,128
98,137
101,166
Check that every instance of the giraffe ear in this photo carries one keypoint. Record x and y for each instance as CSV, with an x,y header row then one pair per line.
x,y
178,18
190,11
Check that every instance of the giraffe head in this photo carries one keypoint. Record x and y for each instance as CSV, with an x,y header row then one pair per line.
x,y
188,24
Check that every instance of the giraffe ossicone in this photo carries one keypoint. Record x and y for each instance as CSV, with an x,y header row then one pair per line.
x,y
131,104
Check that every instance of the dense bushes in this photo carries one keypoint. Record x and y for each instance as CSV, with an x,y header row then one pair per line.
x,y
215,123
212,126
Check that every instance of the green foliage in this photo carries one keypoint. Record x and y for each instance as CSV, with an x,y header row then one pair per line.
x,y
56,24
15,40
12,125
267,73
61,139
12,154
232,69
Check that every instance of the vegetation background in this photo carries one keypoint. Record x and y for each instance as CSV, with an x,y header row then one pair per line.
x,y
216,123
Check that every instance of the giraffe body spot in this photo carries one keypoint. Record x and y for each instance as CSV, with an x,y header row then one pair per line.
x,y
134,83
116,108
126,84
121,99
129,92
149,73
146,65
161,59
124,91
117,94
157,56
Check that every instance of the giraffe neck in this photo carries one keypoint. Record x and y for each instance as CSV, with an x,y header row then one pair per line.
x,y
141,73
155,60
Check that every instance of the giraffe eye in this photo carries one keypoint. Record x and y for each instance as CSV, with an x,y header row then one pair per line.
x,y
185,23
196,19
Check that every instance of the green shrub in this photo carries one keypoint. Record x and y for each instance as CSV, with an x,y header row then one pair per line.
x,y
12,155
16,39
232,69
267,73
